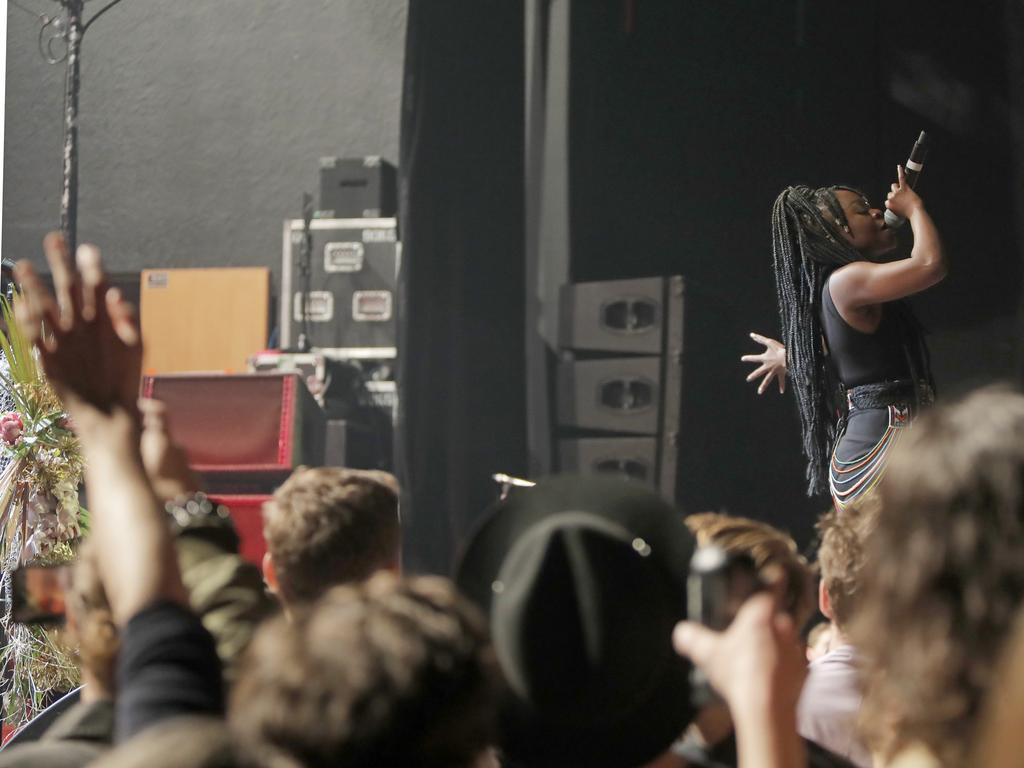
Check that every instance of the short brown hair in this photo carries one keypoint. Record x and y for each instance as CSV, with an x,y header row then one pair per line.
x,y
328,526
841,554
386,673
772,551
943,576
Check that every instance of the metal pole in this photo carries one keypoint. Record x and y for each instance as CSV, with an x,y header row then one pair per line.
x,y
306,270
69,190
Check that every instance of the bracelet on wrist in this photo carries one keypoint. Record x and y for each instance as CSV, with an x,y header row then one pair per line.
x,y
197,510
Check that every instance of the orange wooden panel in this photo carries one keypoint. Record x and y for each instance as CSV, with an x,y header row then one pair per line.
x,y
203,319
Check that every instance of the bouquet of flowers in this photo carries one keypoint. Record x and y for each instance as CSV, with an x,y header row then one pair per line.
x,y
40,519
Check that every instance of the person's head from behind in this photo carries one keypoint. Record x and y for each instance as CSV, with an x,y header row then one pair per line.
x,y
91,627
943,575
583,580
328,526
773,552
841,558
387,672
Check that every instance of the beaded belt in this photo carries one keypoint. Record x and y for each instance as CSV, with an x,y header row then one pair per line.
x,y
885,393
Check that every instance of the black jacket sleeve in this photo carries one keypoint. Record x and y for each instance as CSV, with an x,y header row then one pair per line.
x,y
167,667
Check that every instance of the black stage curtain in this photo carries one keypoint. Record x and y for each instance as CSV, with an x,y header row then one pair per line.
x,y
1014,26
461,360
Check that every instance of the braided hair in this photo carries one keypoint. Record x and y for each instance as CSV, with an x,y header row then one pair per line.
x,y
807,246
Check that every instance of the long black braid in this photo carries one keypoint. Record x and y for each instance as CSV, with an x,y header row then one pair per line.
x,y
807,246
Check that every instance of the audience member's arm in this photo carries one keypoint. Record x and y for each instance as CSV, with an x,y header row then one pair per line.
x,y
90,349
165,461
758,668
92,356
225,591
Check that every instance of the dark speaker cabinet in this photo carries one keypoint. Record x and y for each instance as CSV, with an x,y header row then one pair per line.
x,y
353,187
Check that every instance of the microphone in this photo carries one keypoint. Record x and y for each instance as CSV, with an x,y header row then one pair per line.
x,y
913,168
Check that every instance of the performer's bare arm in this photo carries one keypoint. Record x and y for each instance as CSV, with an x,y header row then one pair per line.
x,y
858,288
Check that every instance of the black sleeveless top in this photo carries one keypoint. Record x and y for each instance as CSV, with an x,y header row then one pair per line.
x,y
863,358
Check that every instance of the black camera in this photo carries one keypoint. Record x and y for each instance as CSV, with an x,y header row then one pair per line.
x,y
718,584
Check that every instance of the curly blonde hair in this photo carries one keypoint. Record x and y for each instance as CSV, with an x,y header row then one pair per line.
x,y
774,554
943,575
841,554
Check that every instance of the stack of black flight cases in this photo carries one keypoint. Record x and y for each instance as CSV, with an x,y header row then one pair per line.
x,y
619,379
352,319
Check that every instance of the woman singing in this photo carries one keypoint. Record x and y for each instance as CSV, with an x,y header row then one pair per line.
x,y
847,330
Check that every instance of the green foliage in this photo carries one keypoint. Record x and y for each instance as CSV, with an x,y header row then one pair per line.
x,y
20,357
47,461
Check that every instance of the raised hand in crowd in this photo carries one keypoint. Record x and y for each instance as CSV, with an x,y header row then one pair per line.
x,y
87,336
165,461
758,667
90,349
771,364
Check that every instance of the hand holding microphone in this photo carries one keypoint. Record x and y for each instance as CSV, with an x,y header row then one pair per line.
x,y
902,199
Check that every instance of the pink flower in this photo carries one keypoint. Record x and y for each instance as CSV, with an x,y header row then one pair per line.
x,y
11,427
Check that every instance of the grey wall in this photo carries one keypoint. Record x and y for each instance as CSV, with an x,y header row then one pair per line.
x,y
201,123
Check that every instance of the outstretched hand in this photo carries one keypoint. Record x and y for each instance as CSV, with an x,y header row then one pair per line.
x,y
91,352
771,363
88,339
